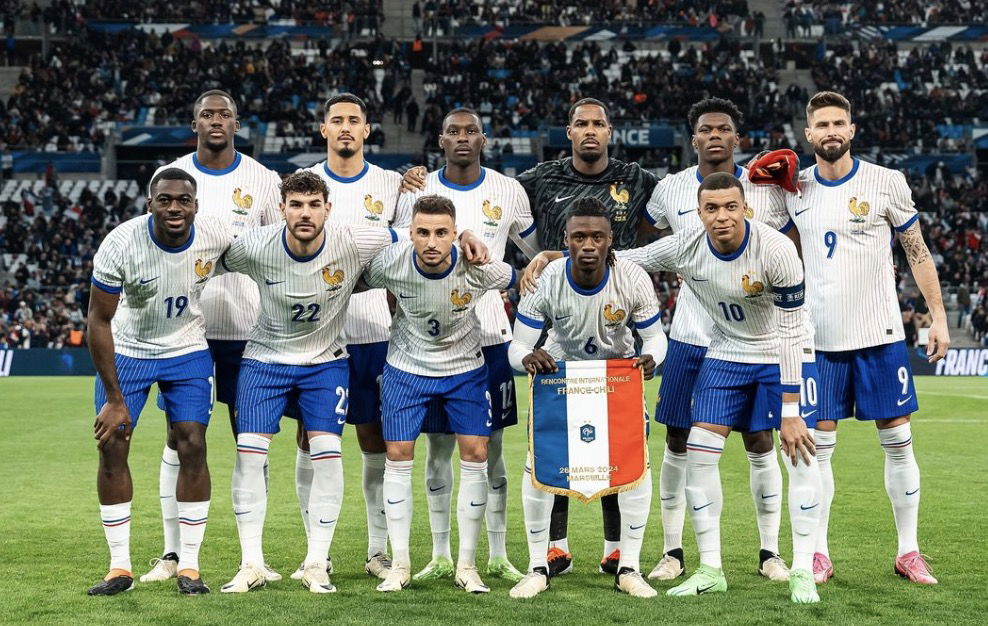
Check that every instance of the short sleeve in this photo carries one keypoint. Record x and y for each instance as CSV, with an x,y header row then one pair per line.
x,y
370,240
496,275
235,259
658,256
271,211
774,212
646,309
403,212
785,275
900,210
108,266
374,272
529,183
531,310
524,223
655,209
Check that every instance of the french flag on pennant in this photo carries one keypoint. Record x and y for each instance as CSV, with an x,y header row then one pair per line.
x,y
587,427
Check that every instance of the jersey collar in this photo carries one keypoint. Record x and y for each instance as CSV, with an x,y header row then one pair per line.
x,y
738,172
580,290
446,182
452,264
736,253
344,179
301,259
170,249
840,181
226,170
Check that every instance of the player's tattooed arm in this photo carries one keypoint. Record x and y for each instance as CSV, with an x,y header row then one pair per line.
x,y
925,274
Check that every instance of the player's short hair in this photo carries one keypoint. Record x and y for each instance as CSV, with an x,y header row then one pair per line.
x,y
212,92
715,105
588,101
466,110
305,183
434,205
718,181
346,97
827,99
171,173
591,207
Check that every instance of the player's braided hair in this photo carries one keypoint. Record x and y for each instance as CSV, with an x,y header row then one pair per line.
x,y
592,207
715,105
305,183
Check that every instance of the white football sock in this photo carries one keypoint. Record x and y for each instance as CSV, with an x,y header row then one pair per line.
x,y
562,544
902,484
326,496
635,505
703,491
765,478
303,485
497,497
167,483
672,495
250,496
804,509
192,517
439,489
373,485
537,505
398,506
826,442
116,528
471,503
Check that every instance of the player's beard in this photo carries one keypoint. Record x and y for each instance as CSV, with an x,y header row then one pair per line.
x,y
216,146
306,237
590,156
345,152
831,155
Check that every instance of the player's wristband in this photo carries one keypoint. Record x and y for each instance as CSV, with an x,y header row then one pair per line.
x,y
790,409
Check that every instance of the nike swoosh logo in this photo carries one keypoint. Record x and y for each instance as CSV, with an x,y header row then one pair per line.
x,y
501,486
437,488
341,421
238,514
803,507
901,402
560,318
700,590
805,415
404,297
700,280
472,503
764,497
558,199
913,492
686,212
798,213
636,527
535,532
697,508
149,280
395,501
322,521
669,498
270,282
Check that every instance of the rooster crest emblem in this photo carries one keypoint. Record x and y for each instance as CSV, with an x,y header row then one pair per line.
x,y
752,289
613,315
333,279
858,209
243,202
460,301
492,213
374,208
749,213
203,270
621,198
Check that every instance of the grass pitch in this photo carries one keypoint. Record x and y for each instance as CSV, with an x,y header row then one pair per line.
x,y
53,547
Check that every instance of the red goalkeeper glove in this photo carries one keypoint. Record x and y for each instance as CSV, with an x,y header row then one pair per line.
x,y
779,167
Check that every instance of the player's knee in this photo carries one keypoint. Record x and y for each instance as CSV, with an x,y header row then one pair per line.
x,y
113,455
370,439
758,443
676,439
301,437
891,423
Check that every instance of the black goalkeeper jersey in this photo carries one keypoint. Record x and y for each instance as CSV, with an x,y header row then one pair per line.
x,y
553,186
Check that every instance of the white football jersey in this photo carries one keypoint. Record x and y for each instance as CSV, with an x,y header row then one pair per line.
x,y
159,314
673,205
303,299
846,230
494,208
367,199
743,292
435,331
591,324
244,196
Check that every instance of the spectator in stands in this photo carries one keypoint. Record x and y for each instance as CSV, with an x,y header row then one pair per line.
x,y
963,303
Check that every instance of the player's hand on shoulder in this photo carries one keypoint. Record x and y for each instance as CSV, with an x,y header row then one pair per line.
x,y
647,365
530,277
413,180
111,418
475,251
939,341
540,362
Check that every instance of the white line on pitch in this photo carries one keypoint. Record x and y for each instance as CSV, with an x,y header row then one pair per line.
x,y
953,395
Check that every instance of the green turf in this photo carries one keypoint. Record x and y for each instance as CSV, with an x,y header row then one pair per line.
x,y
53,547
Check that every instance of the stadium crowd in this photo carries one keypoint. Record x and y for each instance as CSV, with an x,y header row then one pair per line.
x,y
837,16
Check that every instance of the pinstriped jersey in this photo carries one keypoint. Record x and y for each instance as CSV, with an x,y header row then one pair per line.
x,y
673,205
590,323
159,314
435,331
244,195
368,199
846,229
494,208
303,299
750,293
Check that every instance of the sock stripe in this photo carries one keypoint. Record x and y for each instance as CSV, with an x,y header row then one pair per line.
x,y
328,454
192,522
172,464
898,444
116,522
696,447
825,446
251,449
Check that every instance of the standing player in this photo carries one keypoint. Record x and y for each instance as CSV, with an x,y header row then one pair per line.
x,y
243,194
359,193
146,327
715,124
844,216
305,272
494,208
591,297
435,354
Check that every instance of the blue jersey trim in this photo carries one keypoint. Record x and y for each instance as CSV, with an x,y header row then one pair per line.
x,y
223,262
170,249
452,264
839,181
528,231
649,321
527,321
785,229
580,290
738,171
394,235
514,278
344,179
736,253
445,181
104,287
648,216
300,259
902,227
226,170
790,388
